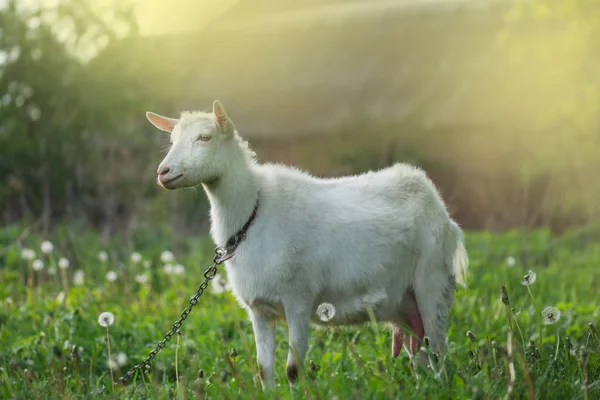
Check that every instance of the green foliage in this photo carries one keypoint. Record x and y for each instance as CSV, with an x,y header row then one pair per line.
x,y
69,123
52,343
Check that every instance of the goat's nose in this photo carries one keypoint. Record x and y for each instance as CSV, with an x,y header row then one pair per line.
x,y
163,170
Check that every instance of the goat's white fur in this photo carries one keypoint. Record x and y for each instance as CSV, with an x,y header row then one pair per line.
x,y
356,242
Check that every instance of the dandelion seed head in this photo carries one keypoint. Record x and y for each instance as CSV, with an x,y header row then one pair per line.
x,y
111,276
121,359
215,286
47,247
78,277
146,264
37,265
52,271
141,279
529,279
325,312
63,263
8,300
511,261
102,256
61,297
106,319
167,257
550,315
168,268
112,364
27,254
178,269
136,257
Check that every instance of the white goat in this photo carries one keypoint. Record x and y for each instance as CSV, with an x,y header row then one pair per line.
x,y
382,241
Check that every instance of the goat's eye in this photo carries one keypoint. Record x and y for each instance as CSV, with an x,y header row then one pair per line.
x,y
203,138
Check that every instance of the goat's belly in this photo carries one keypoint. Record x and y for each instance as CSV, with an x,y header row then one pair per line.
x,y
353,310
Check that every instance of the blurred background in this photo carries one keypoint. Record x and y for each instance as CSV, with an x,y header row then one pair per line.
x,y
498,100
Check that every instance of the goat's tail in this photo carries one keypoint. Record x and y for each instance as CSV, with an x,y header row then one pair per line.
x,y
460,259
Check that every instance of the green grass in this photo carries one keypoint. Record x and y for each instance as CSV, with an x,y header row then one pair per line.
x,y
52,346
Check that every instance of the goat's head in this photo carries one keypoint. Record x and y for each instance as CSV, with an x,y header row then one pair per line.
x,y
200,144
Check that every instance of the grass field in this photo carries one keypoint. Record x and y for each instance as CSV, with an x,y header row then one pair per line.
x,y
52,345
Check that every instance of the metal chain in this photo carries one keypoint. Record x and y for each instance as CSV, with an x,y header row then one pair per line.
x,y
220,256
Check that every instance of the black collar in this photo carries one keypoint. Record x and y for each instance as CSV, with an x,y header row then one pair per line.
x,y
234,241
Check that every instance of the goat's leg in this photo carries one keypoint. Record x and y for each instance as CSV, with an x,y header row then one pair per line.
x,y
434,292
264,336
298,321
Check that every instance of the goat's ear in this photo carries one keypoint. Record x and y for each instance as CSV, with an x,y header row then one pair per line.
x,y
163,123
221,118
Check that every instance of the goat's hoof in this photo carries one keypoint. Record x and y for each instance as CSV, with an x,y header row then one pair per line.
x,y
292,372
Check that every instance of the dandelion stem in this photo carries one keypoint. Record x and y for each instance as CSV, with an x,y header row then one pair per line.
x,y
30,276
557,343
510,365
65,281
112,379
541,327
585,376
520,331
530,294
510,325
176,370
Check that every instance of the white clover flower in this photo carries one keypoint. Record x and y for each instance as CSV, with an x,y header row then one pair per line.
x,y
78,277
106,319
51,271
168,268
215,286
136,257
63,263
38,265
325,312
111,276
146,264
27,254
550,315
141,279
102,256
167,257
178,269
121,359
511,261
529,279
47,247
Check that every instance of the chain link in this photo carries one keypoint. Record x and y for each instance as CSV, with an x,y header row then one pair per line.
x,y
221,255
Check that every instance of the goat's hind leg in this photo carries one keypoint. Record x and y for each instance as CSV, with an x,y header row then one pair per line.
x,y
434,292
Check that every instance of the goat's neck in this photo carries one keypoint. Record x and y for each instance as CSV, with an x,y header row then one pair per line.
x,y
232,199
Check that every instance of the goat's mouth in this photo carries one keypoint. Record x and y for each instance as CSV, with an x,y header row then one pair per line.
x,y
167,184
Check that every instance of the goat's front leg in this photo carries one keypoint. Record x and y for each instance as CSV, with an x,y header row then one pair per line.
x,y
298,321
264,335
